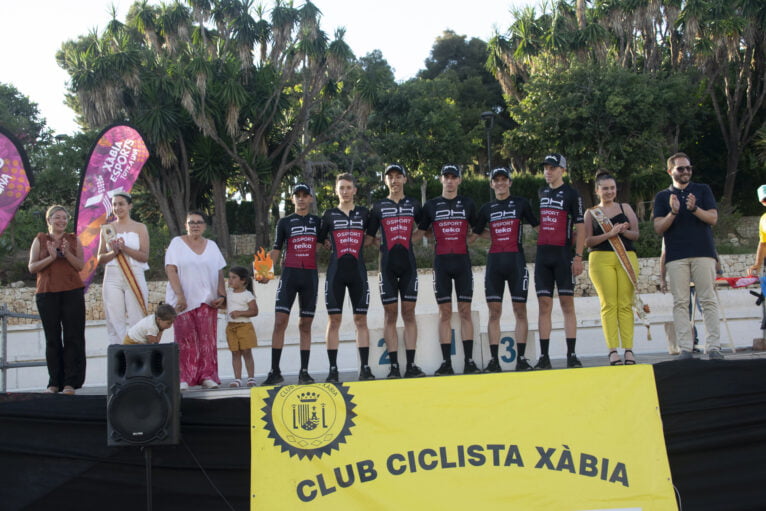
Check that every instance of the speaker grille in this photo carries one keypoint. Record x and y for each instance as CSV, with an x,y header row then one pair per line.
x,y
139,412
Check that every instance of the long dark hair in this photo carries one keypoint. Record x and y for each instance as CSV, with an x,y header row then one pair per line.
x,y
244,274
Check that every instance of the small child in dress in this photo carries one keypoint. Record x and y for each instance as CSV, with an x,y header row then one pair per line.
x,y
240,334
149,330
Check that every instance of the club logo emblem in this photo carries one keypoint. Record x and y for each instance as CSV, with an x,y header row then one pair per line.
x,y
309,420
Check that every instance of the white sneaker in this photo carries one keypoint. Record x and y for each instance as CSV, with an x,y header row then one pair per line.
x,y
209,384
184,386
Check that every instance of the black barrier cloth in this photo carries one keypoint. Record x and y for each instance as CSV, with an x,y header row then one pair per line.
x,y
53,456
53,453
714,420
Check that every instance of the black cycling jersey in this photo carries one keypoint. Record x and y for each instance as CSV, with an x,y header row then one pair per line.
x,y
300,234
505,218
451,220
346,268
398,271
346,232
560,209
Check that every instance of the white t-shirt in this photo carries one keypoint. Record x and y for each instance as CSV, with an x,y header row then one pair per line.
x,y
131,241
198,273
237,302
144,328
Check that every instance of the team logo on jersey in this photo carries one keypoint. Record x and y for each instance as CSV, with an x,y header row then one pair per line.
x,y
300,230
551,202
354,223
388,211
502,215
449,214
309,420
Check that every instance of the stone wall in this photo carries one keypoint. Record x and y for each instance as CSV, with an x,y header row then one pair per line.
x,y
22,299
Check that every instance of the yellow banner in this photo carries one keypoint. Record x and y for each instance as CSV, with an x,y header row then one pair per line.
x,y
584,439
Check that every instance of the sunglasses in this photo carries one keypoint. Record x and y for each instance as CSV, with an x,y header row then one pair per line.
x,y
195,222
684,169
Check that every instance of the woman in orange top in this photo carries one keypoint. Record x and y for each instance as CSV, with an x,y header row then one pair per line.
x,y
56,257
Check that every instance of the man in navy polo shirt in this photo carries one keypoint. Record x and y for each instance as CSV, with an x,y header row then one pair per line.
x,y
684,214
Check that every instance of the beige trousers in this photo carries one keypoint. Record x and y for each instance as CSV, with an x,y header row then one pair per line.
x,y
701,271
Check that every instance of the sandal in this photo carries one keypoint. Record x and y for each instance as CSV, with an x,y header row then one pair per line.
x,y
612,361
52,390
235,384
251,382
629,361
68,390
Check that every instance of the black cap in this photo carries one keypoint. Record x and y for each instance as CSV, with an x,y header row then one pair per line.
x,y
302,187
500,171
395,167
556,160
450,169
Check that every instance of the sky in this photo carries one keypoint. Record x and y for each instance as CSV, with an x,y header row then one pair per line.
x,y
32,31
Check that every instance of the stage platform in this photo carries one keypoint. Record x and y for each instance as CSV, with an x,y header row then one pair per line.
x,y
54,454
224,391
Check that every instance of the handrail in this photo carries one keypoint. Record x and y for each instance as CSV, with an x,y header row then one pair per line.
x,y
5,313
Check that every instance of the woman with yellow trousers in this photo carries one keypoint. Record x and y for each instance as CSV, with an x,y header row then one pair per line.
x,y
610,230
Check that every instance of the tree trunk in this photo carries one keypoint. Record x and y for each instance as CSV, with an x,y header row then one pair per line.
x,y
423,198
732,162
220,222
262,224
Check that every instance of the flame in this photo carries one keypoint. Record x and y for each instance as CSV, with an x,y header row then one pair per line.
x,y
263,266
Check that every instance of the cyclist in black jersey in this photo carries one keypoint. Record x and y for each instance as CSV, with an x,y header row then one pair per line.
x,y
397,217
501,221
556,266
342,232
299,277
451,217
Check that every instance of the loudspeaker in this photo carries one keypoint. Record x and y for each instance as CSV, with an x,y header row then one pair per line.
x,y
143,397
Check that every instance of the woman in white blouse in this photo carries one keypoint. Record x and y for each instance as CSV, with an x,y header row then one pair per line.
x,y
121,306
194,266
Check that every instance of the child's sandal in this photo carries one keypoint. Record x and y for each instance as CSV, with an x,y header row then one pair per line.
x,y
235,384
251,382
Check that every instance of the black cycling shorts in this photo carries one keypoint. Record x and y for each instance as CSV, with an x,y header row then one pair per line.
x,y
449,267
553,266
398,276
346,273
304,283
502,268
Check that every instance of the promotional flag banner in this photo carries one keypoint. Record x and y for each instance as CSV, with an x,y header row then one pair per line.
x,y
113,166
585,439
15,177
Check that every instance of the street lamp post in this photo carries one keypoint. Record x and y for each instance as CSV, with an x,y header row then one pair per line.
x,y
489,120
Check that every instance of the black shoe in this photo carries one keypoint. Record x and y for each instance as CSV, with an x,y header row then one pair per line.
x,y
394,372
366,374
573,361
332,376
304,377
414,371
544,362
522,364
470,368
274,378
493,366
444,369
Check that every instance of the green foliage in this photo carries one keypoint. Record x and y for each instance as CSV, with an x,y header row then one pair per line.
x,y
599,117
649,243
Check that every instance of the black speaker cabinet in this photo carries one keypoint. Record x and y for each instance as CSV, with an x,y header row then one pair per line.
x,y
143,398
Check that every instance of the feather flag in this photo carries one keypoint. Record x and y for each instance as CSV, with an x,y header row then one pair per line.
x,y
113,166
15,177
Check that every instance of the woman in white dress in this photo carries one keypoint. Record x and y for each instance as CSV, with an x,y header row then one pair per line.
x,y
121,307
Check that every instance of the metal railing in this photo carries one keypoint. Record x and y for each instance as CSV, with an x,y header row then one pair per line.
x,y
5,313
